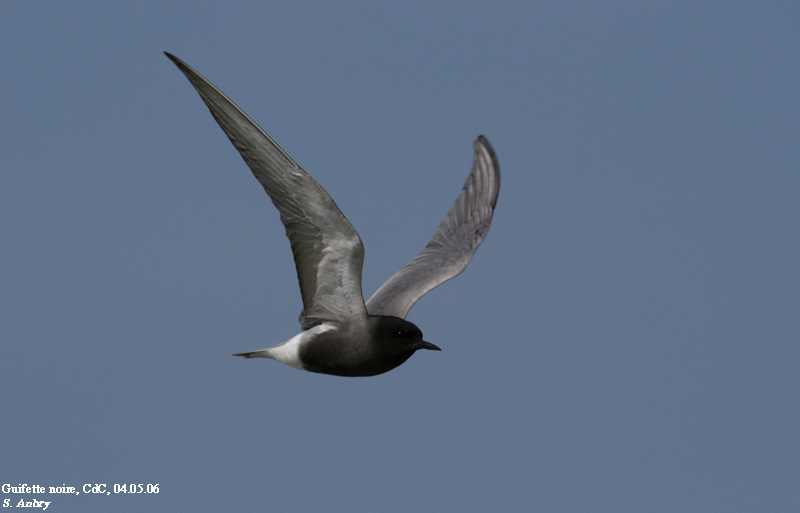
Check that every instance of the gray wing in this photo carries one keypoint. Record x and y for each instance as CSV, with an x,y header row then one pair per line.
x,y
452,246
328,253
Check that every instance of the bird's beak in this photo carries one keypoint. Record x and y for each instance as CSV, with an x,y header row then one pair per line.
x,y
428,345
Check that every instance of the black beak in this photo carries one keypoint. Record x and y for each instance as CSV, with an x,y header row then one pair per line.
x,y
428,345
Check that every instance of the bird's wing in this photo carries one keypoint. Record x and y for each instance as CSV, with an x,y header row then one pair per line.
x,y
328,253
452,246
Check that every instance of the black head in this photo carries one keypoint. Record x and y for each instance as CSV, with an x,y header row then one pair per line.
x,y
396,334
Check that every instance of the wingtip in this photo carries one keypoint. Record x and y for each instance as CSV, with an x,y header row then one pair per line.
x,y
483,141
180,63
484,151
175,60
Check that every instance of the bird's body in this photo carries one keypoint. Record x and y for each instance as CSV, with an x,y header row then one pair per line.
x,y
386,343
341,334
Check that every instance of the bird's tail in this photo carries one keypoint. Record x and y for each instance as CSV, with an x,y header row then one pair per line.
x,y
263,353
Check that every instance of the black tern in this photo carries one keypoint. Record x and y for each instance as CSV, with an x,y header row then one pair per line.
x,y
341,334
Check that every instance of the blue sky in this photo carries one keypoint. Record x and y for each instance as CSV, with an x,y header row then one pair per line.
x,y
626,339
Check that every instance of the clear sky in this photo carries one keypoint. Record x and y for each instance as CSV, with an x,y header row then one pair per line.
x,y
626,339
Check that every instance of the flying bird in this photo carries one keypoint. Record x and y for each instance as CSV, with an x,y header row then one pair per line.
x,y
341,334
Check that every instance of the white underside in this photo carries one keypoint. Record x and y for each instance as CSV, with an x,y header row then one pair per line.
x,y
289,351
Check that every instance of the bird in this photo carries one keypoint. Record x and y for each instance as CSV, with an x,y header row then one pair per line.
x,y
341,334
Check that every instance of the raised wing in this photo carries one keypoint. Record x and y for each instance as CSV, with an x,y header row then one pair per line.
x,y
328,253
452,246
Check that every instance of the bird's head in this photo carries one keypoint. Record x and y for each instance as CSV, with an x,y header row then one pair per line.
x,y
400,335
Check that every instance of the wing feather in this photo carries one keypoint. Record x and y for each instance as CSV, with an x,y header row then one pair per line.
x,y
328,253
449,251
